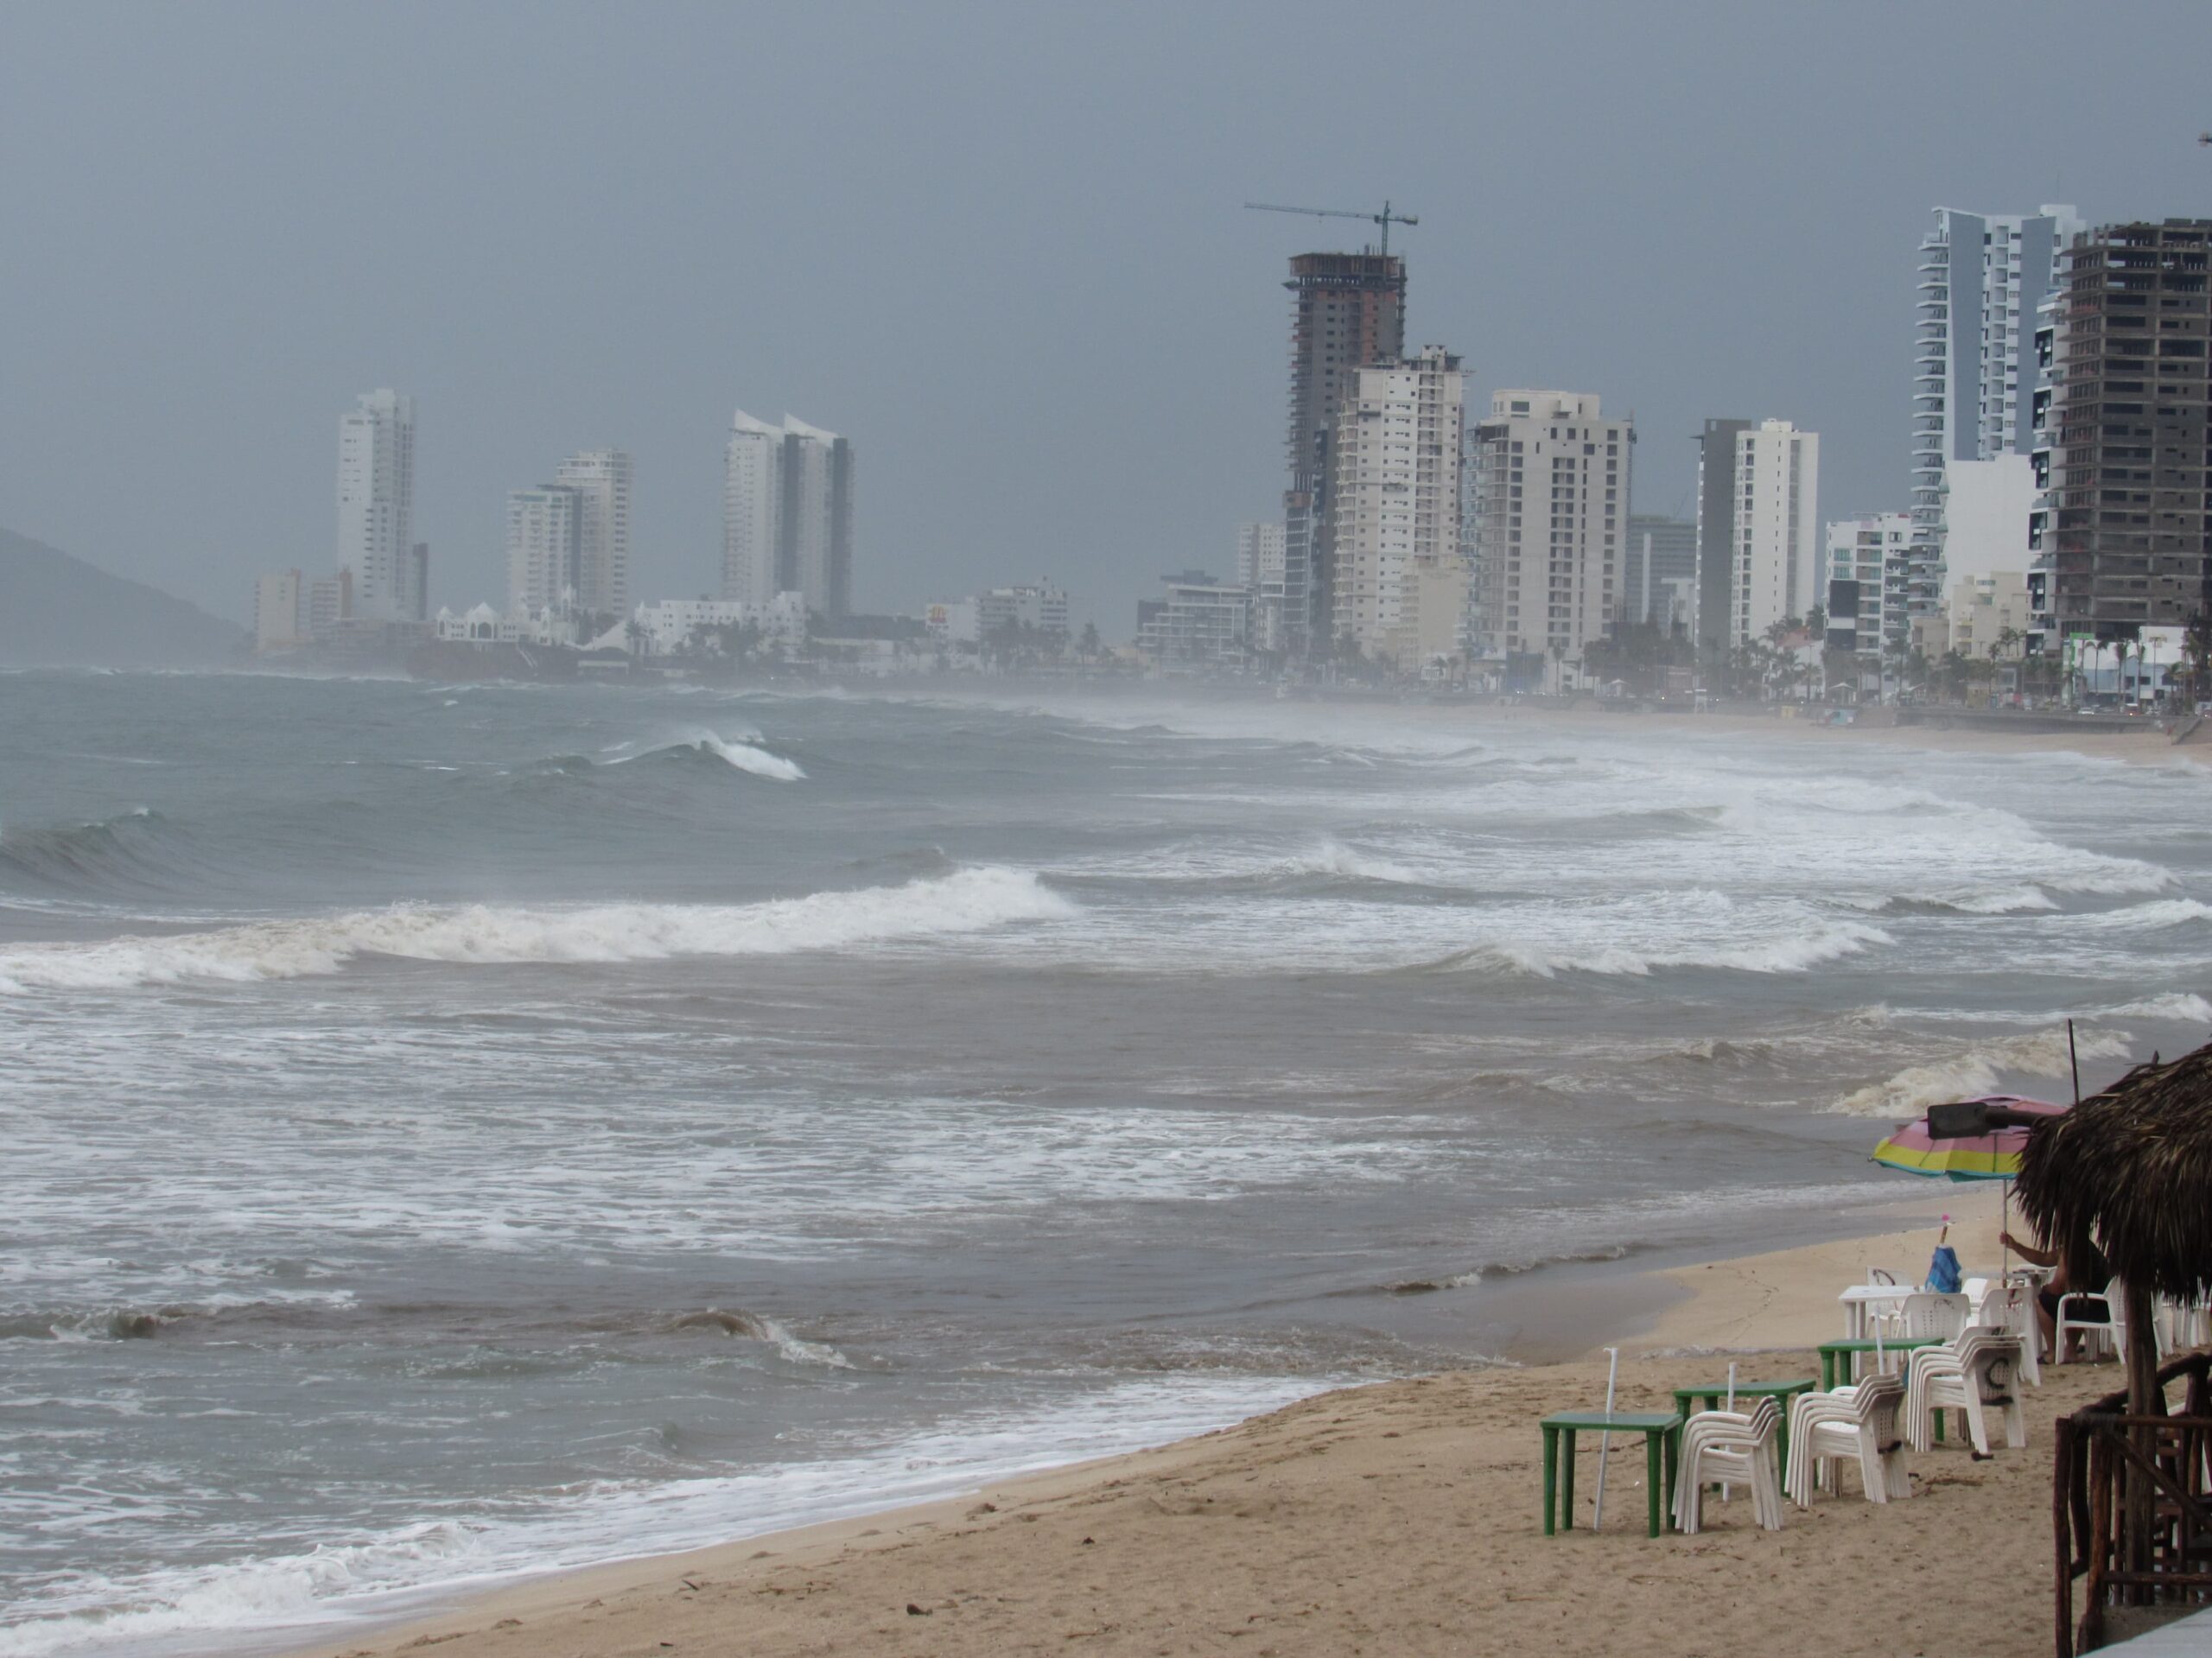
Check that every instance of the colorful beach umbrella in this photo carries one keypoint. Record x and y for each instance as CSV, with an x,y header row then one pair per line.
x,y
1974,1139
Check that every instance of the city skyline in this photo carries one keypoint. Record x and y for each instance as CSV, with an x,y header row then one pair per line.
x,y
1790,292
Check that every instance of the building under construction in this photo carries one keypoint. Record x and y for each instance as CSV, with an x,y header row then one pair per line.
x,y
2129,461
1348,311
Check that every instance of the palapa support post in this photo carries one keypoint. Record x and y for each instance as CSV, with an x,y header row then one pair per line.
x,y
2145,1398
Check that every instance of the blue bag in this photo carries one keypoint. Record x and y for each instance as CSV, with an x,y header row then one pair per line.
x,y
1943,1275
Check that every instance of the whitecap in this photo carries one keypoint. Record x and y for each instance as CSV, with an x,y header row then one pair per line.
x,y
970,900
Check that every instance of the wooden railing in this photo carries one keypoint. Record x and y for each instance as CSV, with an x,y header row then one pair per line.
x,y
2131,1505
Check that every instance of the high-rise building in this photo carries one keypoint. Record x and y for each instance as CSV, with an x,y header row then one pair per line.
x,y
1658,568
2129,528
1716,531
1393,507
1553,477
544,541
752,494
787,514
1869,563
1759,538
1982,277
376,508
814,552
1259,555
601,479
1348,311
1259,559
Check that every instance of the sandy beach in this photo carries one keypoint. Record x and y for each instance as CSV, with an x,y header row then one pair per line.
x,y
2140,744
1398,1518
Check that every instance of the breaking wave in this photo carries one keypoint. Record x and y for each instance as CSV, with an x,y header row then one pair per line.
x,y
1980,1070
740,754
2160,913
138,849
1333,857
1796,954
753,1326
970,900
2176,1005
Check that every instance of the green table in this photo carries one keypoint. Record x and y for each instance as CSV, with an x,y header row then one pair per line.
x,y
1687,1399
1661,1431
1831,1351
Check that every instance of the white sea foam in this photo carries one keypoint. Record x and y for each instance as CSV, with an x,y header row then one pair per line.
x,y
740,751
1333,857
1793,953
970,900
1979,1069
2176,1005
2159,912
747,758
340,1582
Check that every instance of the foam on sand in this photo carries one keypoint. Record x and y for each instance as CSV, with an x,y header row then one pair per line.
x,y
970,900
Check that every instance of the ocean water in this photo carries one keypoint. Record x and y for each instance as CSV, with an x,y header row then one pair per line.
x,y
455,1132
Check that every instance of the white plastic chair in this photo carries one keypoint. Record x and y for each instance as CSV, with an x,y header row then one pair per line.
x,y
2184,1324
1925,1313
2006,1308
1859,1423
2078,1314
1729,1445
1969,1376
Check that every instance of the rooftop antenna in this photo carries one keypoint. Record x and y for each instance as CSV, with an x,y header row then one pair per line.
x,y
1385,218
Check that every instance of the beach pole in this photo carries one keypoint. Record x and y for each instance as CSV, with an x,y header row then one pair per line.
x,y
1606,1439
2074,1058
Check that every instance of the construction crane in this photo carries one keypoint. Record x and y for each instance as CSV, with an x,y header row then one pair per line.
x,y
1385,218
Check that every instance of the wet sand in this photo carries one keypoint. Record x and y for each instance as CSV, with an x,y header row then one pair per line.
x,y
1397,1518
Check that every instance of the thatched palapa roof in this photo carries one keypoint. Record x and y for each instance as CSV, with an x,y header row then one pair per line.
x,y
2132,1169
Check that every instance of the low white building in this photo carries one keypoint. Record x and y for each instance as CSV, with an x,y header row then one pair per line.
x,y
1981,611
1199,622
1039,606
953,622
479,625
669,626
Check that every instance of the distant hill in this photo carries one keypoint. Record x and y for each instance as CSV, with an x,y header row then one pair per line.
x,y
56,611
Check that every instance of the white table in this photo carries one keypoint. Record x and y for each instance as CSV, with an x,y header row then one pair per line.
x,y
1860,1296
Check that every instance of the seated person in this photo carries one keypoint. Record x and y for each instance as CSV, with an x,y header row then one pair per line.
x,y
2096,1274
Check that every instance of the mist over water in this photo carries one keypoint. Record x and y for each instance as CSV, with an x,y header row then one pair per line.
x,y
459,1131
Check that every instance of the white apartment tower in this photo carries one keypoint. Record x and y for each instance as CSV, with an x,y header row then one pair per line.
x,y
545,544
1759,524
787,514
1869,562
1394,508
1982,276
1260,556
376,509
601,480
1549,522
752,484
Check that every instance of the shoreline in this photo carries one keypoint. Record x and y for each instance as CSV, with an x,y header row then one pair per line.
x,y
1663,1318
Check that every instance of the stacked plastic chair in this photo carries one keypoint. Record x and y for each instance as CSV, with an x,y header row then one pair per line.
x,y
2007,1307
1732,1446
1858,1422
1971,1374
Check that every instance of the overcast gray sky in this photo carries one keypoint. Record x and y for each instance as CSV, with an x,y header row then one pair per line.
x,y
998,246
